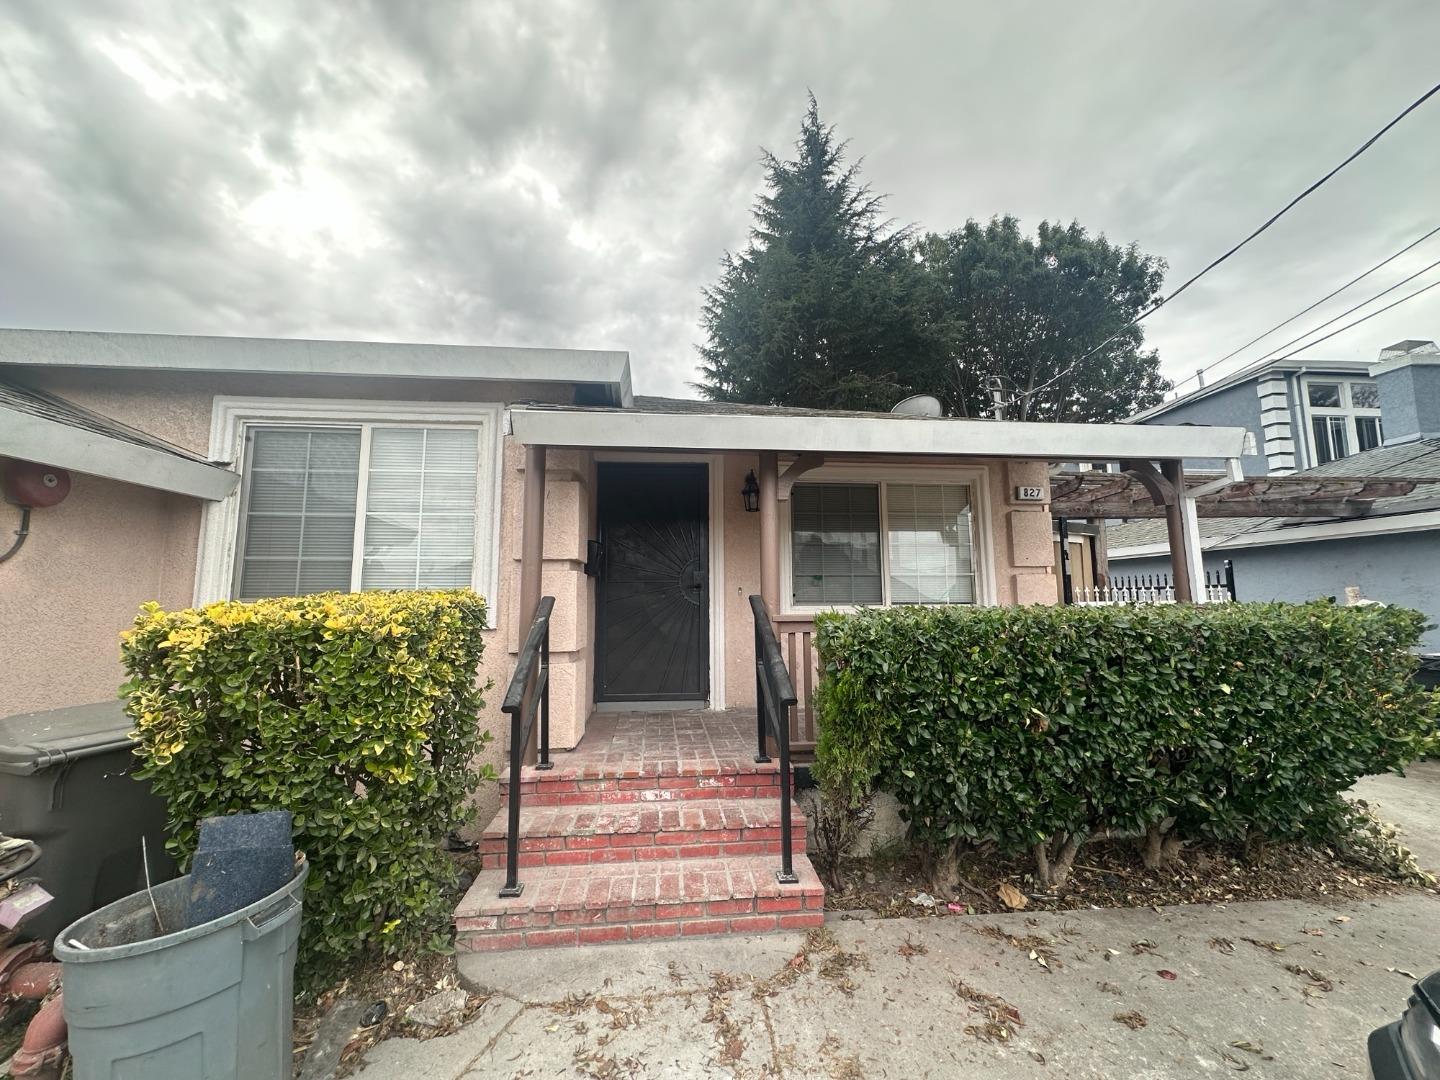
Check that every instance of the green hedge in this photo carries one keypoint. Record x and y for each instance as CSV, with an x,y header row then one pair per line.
x,y
355,712
1033,728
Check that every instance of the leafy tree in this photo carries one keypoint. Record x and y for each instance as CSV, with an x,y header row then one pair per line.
x,y
1027,310
826,307
830,306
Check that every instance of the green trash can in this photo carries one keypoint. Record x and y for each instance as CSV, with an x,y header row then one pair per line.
x,y
66,783
213,1002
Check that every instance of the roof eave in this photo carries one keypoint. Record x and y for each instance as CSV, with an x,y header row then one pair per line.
x,y
28,437
607,369
608,429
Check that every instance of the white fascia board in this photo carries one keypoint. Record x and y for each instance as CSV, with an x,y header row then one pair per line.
x,y
47,442
871,435
1387,525
286,356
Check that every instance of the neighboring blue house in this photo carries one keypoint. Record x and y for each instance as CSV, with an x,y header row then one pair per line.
x,y
1302,413
1327,419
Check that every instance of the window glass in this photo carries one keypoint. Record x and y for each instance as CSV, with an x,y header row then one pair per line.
x,y
1330,440
1365,395
300,514
420,508
835,544
1324,395
302,494
927,536
1368,432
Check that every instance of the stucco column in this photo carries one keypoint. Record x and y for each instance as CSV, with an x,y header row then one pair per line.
x,y
1180,554
770,530
532,555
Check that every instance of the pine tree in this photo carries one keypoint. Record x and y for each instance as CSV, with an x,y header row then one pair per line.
x,y
825,306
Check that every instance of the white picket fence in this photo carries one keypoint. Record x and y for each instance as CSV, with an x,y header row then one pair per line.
x,y
1096,595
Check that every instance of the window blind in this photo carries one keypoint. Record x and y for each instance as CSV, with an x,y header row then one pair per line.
x,y
930,553
835,544
420,508
300,515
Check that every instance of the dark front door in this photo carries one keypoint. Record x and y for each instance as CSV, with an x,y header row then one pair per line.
x,y
653,596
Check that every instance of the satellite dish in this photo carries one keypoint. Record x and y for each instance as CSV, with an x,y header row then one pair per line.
x,y
919,405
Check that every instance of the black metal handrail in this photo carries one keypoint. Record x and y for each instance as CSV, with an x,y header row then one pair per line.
x,y
774,698
529,690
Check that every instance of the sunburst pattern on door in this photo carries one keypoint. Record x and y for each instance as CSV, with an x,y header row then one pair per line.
x,y
652,617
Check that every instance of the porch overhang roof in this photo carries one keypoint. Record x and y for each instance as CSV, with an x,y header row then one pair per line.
x,y
807,431
52,431
1118,495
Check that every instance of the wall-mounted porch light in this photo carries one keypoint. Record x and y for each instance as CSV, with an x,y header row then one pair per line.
x,y
751,493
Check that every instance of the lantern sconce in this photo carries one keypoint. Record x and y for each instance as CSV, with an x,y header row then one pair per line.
x,y
751,493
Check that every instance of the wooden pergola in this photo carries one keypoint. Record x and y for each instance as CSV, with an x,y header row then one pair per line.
x,y
1140,490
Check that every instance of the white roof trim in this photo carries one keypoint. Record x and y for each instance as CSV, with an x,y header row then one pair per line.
x,y
285,356
613,429
28,437
1383,525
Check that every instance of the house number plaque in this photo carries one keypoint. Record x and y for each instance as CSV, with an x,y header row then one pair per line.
x,y
1029,494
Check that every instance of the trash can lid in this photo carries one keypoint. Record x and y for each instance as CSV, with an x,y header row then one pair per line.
x,y
30,742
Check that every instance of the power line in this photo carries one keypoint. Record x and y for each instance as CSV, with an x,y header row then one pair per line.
x,y
1316,329
1270,221
1364,318
1305,311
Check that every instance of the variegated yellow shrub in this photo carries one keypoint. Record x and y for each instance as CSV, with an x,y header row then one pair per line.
x,y
357,712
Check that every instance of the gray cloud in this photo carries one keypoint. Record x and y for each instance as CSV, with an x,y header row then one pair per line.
x,y
569,174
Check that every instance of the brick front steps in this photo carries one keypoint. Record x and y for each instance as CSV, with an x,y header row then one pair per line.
x,y
621,832
612,853
635,901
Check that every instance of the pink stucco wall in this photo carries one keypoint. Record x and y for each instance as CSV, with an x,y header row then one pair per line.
x,y
88,565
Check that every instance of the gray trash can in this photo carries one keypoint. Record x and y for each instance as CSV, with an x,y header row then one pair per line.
x,y
66,783
213,1002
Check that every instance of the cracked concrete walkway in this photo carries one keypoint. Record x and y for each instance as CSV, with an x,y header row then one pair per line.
x,y
882,1000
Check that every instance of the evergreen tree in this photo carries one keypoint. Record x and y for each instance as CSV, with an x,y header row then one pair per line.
x,y
825,307
1026,310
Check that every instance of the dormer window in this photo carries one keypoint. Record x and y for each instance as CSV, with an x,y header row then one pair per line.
x,y
1344,417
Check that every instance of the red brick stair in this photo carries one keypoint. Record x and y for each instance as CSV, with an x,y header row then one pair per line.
x,y
611,853
553,835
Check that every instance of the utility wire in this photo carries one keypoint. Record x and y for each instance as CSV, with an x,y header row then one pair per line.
x,y
1270,221
1305,311
1357,322
1348,311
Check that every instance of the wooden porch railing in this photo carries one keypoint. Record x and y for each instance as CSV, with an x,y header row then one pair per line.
x,y
796,634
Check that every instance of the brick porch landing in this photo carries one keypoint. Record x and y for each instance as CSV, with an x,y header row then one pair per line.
x,y
656,825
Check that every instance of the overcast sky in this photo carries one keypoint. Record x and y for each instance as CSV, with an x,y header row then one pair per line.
x,y
569,174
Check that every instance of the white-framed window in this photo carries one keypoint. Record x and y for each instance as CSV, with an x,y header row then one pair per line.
x,y
1344,417
350,495
884,536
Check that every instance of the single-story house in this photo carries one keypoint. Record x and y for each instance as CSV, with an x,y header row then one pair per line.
x,y
1383,548
201,469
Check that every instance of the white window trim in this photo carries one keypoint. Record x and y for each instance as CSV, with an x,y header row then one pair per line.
x,y
231,416
1346,409
978,478
715,467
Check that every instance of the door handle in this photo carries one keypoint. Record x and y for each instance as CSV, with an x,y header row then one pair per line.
x,y
697,579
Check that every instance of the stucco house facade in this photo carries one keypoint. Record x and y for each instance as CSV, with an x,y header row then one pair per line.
x,y
200,469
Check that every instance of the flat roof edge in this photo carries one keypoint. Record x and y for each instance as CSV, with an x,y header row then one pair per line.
x,y
304,356
871,435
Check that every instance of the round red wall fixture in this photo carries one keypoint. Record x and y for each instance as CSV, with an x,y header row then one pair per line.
x,y
30,484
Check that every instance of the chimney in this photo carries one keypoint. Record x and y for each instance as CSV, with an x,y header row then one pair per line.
x,y
1408,374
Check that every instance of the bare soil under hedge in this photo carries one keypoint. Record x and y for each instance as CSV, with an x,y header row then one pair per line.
x,y
1108,874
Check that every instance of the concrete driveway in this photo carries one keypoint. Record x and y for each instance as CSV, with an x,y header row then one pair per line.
x,y
1413,803
1286,989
